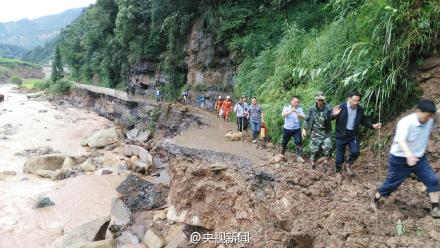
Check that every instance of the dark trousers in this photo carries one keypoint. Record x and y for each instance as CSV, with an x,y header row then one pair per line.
x,y
399,170
240,123
288,133
245,123
341,144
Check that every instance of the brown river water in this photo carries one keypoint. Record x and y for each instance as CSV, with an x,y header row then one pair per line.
x,y
77,200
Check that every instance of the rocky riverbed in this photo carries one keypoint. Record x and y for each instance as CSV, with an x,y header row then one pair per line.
x,y
34,126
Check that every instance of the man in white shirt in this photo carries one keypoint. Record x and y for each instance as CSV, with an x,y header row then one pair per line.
x,y
407,156
292,127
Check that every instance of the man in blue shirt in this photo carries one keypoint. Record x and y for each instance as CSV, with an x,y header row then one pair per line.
x,y
407,156
292,127
256,116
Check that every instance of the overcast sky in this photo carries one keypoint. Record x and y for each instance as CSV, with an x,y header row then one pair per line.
x,y
13,10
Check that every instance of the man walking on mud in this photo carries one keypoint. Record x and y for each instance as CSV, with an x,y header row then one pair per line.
x,y
239,112
349,115
292,127
407,156
318,124
256,117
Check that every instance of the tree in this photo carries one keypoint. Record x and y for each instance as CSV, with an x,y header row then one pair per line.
x,y
57,66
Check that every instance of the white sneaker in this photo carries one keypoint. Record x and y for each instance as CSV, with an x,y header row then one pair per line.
x,y
299,159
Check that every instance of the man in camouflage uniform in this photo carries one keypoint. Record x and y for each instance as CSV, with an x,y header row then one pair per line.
x,y
318,124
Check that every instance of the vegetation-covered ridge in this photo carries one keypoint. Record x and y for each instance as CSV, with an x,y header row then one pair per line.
x,y
283,47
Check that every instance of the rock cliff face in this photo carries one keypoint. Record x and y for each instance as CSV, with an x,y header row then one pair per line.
x,y
207,63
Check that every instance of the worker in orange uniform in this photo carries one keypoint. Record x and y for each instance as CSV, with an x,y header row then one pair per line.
x,y
218,105
227,108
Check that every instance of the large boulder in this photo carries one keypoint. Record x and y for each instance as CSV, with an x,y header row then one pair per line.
x,y
139,194
91,231
51,162
101,138
233,136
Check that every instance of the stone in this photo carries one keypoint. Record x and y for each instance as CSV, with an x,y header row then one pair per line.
x,y
6,174
158,164
58,175
106,172
233,136
43,201
218,166
88,166
277,159
159,215
68,164
45,173
152,240
42,111
132,134
179,240
127,238
120,215
143,154
44,162
143,136
139,194
91,231
108,243
101,138
35,95
39,151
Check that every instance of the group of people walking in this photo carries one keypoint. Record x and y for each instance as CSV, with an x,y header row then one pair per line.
x,y
245,114
407,154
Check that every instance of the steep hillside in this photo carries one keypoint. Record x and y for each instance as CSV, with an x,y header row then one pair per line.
x,y
269,49
30,33
11,51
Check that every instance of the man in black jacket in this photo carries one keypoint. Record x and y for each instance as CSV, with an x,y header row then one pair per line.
x,y
349,115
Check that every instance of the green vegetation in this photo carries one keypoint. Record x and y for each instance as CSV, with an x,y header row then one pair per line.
x,y
283,47
16,80
41,54
11,51
57,67
35,84
12,63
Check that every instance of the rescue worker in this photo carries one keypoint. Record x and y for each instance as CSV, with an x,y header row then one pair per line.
x,y
318,124
227,108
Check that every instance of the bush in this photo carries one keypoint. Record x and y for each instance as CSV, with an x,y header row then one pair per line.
x,y
35,84
16,80
60,87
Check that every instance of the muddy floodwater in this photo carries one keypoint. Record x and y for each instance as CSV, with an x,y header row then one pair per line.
x,y
29,124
